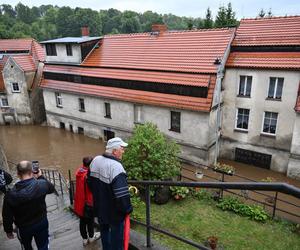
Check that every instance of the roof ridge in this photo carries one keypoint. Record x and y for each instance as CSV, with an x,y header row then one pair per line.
x,y
269,18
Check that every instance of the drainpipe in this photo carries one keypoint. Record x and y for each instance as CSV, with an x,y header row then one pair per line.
x,y
220,74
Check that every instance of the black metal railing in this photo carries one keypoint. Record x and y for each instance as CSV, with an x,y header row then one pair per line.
x,y
277,187
276,203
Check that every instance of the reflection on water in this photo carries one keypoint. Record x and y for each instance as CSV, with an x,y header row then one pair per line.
x,y
53,148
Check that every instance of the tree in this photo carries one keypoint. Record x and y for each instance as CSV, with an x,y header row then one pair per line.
x,y
150,156
262,13
221,18
130,22
208,22
270,14
230,16
148,18
190,24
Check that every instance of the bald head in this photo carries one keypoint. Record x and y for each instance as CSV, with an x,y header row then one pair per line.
x,y
24,168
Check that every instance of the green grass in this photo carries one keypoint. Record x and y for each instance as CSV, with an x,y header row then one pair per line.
x,y
196,220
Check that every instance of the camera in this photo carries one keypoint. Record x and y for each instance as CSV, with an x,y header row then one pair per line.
x,y
35,167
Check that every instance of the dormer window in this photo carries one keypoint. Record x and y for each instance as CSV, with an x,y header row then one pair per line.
x,y
69,50
51,49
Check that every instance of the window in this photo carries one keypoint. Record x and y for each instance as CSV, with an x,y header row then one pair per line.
x,y
175,121
270,122
138,114
15,87
81,105
107,110
80,130
50,49
242,119
245,86
69,49
275,88
62,125
4,102
58,100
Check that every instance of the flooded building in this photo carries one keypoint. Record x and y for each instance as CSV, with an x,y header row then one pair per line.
x,y
164,77
21,63
261,87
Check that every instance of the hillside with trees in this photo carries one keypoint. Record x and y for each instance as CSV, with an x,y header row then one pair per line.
x,y
48,21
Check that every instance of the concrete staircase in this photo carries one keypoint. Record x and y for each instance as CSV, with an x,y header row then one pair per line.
x,y
63,228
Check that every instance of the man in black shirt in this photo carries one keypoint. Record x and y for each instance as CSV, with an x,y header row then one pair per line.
x,y
25,206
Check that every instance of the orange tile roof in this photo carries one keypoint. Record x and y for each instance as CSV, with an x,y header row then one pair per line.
x,y
15,44
268,31
180,51
269,60
2,63
26,62
38,52
144,97
199,80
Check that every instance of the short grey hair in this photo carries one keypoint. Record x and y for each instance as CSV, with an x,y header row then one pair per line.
x,y
24,167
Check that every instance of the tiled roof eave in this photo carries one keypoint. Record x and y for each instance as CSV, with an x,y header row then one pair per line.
x,y
263,67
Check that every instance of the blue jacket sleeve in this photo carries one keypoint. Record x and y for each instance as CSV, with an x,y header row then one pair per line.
x,y
121,193
7,216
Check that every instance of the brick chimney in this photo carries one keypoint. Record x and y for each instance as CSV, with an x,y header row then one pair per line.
x,y
160,28
85,31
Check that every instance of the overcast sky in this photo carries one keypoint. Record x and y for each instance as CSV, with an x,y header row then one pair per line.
x,y
189,8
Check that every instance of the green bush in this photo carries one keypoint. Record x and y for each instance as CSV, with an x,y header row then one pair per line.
x,y
138,208
182,192
150,156
254,212
202,194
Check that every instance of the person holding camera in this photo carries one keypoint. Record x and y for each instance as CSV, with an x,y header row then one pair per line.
x,y
24,205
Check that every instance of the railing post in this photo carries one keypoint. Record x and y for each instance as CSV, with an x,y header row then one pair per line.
x,y
53,177
60,183
70,188
222,190
148,223
274,206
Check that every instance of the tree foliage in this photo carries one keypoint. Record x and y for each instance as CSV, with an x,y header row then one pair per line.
x,y
225,17
150,155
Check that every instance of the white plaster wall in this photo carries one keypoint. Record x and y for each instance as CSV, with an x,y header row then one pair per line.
x,y
61,54
258,105
18,101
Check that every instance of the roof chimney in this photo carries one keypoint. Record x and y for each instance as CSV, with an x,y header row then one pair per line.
x,y
85,31
159,28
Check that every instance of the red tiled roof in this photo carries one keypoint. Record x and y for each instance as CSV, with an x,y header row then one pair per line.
x,y
26,62
272,60
38,51
182,51
15,44
200,80
268,31
297,107
150,98
2,63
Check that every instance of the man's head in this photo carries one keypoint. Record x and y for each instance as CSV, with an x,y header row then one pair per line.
x,y
87,161
24,170
115,146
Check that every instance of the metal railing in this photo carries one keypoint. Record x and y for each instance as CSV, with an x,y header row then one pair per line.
x,y
274,202
277,187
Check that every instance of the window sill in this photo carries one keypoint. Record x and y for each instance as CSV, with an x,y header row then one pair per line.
x,y
273,99
138,123
240,130
81,110
16,92
173,130
59,106
108,117
244,96
268,135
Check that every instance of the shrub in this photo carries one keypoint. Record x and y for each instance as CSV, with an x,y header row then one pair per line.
x,y
254,212
180,192
150,156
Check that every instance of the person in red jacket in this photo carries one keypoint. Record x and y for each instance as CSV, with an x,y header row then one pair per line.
x,y
83,195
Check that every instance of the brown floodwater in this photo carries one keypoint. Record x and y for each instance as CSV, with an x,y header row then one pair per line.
x,y
63,150
52,147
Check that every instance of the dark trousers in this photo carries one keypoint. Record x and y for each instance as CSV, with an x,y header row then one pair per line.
x,y
112,236
86,225
39,231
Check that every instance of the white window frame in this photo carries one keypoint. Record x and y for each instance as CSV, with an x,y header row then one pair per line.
x,y
245,86
236,119
13,90
4,106
172,128
79,103
58,99
138,115
263,122
107,114
275,88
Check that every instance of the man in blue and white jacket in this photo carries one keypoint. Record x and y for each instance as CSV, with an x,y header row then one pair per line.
x,y
108,183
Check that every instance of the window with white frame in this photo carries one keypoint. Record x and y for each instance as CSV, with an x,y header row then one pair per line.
x,y
242,119
4,102
81,105
107,110
275,88
138,115
245,86
270,123
58,99
15,87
